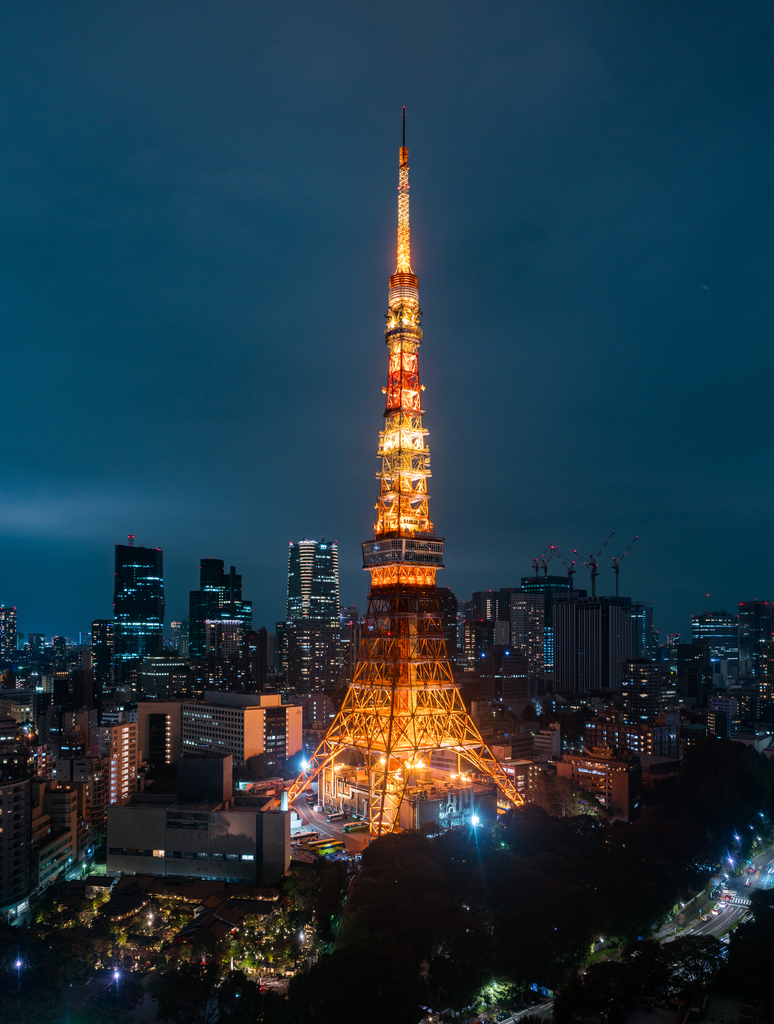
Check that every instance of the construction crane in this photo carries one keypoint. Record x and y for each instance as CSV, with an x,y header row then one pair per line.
x,y
570,566
541,562
617,562
593,565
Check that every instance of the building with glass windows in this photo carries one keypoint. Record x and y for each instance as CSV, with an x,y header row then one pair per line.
x,y
138,604
219,597
755,629
549,587
721,631
7,633
313,581
310,640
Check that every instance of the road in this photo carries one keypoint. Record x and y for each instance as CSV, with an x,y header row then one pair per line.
x,y
354,843
542,1010
738,905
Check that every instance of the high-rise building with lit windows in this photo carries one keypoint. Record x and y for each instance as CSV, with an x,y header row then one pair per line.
x,y
312,631
313,581
138,603
755,629
7,633
219,597
721,631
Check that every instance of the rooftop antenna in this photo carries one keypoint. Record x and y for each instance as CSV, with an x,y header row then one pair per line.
x,y
130,538
404,127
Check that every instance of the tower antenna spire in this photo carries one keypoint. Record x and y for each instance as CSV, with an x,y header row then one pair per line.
x,y
404,127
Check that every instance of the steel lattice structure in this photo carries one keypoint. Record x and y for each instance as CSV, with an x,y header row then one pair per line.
x,y
403,703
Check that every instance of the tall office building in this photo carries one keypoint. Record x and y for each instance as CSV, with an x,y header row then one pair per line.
x,y
7,633
219,597
755,629
550,587
694,671
102,649
593,640
528,631
138,604
644,636
313,581
311,640
721,631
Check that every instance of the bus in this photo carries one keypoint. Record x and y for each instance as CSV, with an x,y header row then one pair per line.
x,y
306,837
356,826
324,847
336,816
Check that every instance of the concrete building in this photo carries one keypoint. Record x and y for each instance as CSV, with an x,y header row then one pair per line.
x,y
524,774
90,778
16,804
240,839
592,642
613,776
159,730
241,725
547,743
118,743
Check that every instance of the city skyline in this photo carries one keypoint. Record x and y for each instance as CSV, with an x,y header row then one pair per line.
x,y
613,250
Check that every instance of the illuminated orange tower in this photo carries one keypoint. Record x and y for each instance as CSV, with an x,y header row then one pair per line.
x,y
403,703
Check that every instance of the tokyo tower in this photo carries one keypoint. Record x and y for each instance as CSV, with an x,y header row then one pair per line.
x,y
402,703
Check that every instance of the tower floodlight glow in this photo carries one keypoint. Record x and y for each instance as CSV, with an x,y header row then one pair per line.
x,y
402,703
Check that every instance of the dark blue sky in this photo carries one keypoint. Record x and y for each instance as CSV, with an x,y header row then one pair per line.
x,y
197,224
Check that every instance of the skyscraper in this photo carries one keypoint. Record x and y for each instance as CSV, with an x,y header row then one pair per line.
x,y
138,603
755,628
313,581
721,631
312,631
550,587
644,636
528,631
592,641
402,705
7,633
219,597
102,649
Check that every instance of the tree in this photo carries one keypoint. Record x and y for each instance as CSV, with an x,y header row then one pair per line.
x,y
187,994
241,1002
114,1003
694,960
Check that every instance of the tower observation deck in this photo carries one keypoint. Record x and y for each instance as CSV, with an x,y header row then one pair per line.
x,y
403,703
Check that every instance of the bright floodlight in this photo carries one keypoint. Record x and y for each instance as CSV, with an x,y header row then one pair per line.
x,y
304,765
18,964
475,820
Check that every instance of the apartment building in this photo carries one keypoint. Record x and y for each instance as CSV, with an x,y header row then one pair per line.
x,y
118,743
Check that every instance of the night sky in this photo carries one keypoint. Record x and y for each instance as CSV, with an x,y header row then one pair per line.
x,y
197,222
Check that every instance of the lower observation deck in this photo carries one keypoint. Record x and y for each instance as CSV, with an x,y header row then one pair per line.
x,y
403,551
